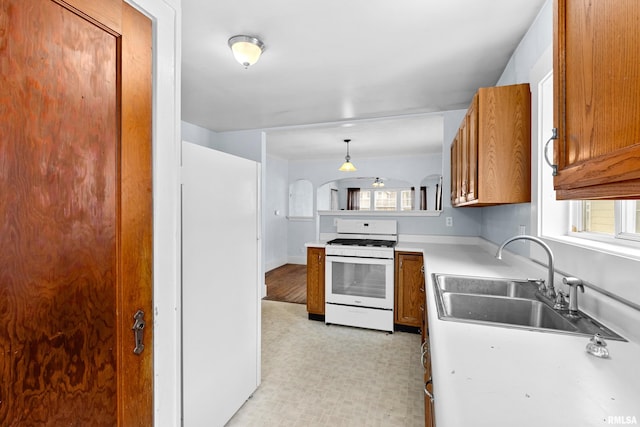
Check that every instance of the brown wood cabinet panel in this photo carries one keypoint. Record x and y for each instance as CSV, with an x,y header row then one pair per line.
x,y
463,167
494,148
472,149
409,292
455,177
315,281
429,414
597,98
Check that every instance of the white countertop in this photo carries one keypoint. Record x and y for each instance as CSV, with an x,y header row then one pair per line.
x,y
495,376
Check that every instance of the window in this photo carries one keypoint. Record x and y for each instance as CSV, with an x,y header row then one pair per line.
x,y
365,200
380,200
406,200
618,219
385,200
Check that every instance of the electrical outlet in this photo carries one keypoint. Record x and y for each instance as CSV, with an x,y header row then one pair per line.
x,y
449,221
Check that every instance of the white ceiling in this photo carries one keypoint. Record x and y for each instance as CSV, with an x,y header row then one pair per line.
x,y
331,68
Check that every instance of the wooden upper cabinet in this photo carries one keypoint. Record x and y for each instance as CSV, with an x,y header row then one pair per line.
x,y
597,99
493,148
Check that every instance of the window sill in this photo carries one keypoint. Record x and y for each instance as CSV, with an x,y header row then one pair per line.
x,y
300,218
629,250
380,213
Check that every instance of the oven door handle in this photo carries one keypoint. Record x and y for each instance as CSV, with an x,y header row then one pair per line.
x,y
357,259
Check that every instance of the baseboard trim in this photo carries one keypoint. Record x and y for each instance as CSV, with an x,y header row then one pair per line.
x,y
313,316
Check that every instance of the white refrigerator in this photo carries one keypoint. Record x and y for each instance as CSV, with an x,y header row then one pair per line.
x,y
220,287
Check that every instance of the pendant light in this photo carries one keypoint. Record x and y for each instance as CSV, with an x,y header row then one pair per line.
x,y
378,183
246,49
347,166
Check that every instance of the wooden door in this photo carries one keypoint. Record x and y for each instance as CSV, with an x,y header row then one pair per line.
x,y
75,213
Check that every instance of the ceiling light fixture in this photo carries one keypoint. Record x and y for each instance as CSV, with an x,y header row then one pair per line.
x,y
347,166
246,49
378,183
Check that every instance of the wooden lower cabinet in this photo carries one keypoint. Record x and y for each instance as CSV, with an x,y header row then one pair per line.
x,y
429,414
315,283
409,289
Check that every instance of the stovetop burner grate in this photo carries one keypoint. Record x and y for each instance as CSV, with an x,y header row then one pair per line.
x,y
363,242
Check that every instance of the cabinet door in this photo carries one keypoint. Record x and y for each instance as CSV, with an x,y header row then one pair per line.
x,y
315,280
429,413
504,144
472,149
409,298
597,93
455,185
463,167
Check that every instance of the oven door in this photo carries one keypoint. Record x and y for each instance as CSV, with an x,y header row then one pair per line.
x,y
364,282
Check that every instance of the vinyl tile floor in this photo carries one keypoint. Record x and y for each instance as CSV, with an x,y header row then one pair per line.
x,y
319,375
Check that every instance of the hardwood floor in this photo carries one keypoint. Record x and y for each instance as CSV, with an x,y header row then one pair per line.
x,y
287,283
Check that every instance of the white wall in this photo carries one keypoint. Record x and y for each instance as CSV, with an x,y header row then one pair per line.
x,y
275,212
502,222
247,144
198,135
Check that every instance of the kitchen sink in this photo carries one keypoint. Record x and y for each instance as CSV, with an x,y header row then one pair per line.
x,y
488,286
513,303
509,311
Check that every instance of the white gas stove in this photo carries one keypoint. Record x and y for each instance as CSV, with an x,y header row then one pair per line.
x,y
359,274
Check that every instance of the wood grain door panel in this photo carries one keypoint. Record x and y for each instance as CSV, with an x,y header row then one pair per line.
x,y
596,109
66,223
315,280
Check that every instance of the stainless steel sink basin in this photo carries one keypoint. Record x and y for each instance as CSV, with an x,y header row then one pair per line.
x,y
509,311
510,303
488,286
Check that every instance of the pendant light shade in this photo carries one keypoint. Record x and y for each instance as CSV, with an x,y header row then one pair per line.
x,y
246,49
347,166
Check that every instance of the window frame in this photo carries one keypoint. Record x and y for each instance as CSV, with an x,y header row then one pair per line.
x,y
371,192
624,219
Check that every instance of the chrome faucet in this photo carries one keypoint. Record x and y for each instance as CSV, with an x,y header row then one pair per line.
x,y
550,291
